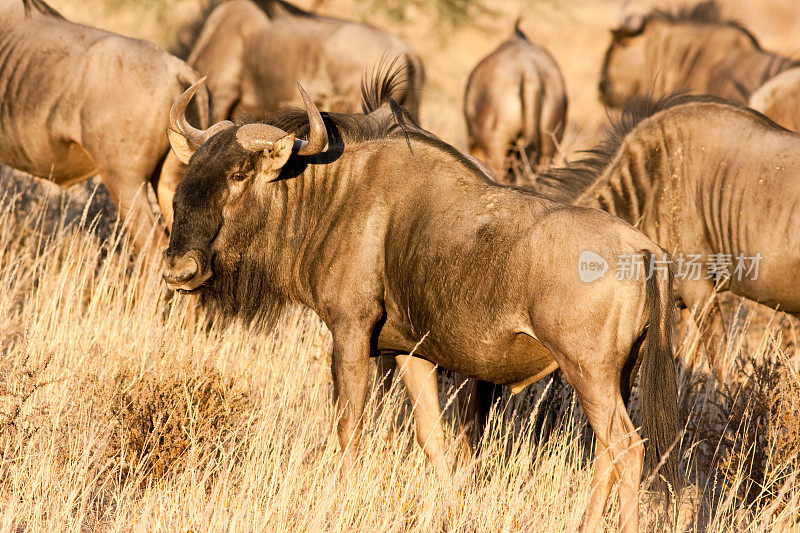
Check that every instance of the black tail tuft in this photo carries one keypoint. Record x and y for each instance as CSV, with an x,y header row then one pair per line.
x,y
658,391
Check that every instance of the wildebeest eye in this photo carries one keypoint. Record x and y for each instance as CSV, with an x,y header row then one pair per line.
x,y
238,176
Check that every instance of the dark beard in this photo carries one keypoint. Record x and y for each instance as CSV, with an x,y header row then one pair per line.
x,y
247,293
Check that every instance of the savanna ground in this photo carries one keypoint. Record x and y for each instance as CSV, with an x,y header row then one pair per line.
x,y
120,411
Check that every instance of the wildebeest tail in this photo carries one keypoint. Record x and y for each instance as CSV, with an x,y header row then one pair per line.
x,y
658,393
531,113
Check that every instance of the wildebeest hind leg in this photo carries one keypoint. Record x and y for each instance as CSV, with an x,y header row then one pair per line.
x,y
620,451
129,194
171,174
419,377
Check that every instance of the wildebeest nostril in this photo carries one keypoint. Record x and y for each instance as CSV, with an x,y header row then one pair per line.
x,y
179,270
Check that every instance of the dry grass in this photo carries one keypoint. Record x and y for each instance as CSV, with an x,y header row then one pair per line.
x,y
120,411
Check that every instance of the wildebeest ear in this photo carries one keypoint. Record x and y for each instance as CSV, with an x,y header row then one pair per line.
x,y
275,158
180,146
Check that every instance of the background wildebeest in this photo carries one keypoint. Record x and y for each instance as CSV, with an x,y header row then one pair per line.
x,y
694,49
78,101
515,103
779,99
388,234
255,52
700,176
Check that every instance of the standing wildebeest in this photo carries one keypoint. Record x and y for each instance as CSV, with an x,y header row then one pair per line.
x,y
78,101
694,50
515,102
254,54
387,234
779,99
701,176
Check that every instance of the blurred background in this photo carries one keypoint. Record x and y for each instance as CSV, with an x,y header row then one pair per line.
x,y
453,35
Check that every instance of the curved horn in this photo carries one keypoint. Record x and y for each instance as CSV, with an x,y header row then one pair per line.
x,y
179,124
317,133
258,137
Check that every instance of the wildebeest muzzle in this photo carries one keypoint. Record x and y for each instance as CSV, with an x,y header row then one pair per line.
x,y
185,272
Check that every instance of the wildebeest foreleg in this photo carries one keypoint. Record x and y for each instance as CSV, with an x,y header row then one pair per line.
x,y
350,369
419,377
386,365
475,401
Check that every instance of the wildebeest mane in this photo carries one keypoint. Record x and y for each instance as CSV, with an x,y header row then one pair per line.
x,y
379,84
275,8
707,12
39,6
565,184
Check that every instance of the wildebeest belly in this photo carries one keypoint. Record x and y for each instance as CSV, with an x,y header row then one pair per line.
x,y
772,281
64,163
496,354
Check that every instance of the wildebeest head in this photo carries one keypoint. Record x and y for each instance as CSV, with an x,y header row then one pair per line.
x,y
623,71
229,168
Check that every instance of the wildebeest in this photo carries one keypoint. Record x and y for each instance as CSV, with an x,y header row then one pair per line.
x,y
78,101
694,50
255,52
701,177
515,101
387,234
779,99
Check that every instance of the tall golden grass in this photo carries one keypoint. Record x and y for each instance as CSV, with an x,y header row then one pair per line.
x,y
121,409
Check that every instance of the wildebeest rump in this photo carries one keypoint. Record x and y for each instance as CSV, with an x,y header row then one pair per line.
x,y
78,101
515,99
779,99
701,176
387,234
255,53
694,50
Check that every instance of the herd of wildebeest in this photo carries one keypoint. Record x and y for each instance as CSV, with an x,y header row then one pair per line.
x,y
407,248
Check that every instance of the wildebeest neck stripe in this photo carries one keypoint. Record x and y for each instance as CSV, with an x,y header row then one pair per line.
x,y
568,183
